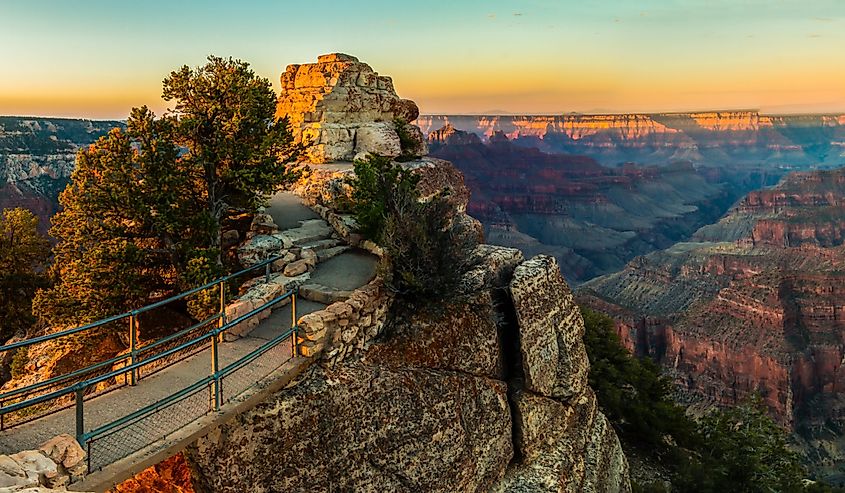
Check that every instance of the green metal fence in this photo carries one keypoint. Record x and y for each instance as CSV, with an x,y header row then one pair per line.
x,y
73,389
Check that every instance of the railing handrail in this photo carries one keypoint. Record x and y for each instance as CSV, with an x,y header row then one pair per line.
x,y
123,370
228,370
113,318
95,366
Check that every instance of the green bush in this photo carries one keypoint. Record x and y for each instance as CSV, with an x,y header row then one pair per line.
x,y
411,147
424,248
376,186
19,362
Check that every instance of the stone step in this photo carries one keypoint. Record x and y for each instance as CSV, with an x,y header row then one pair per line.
x,y
322,244
311,231
323,294
328,253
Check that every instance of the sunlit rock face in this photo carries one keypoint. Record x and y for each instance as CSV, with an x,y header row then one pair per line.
x,y
753,305
37,156
708,138
342,110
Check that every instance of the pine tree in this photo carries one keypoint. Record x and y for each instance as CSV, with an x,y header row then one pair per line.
x,y
142,215
23,254
224,116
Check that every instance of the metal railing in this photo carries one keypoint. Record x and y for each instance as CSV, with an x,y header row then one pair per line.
x,y
72,389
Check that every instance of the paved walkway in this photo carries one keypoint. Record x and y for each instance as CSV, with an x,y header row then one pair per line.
x,y
346,271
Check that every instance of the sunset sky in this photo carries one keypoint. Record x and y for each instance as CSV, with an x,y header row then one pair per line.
x,y
98,58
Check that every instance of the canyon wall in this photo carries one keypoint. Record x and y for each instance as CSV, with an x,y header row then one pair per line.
x,y
753,305
37,156
710,138
592,218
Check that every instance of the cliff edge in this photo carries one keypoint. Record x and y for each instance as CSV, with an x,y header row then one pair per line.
x,y
483,391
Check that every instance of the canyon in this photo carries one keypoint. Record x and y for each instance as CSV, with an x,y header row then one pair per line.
x,y
590,216
37,157
713,138
750,305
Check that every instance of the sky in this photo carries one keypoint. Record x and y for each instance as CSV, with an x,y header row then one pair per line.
x,y
99,58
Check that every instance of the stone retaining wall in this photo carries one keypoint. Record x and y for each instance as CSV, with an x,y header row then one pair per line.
x,y
348,326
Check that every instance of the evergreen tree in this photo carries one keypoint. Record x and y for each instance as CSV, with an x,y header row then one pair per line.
x,y
23,253
224,117
141,217
126,224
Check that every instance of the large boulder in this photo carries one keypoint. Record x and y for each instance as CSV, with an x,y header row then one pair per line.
x,y
340,109
551,330
365,428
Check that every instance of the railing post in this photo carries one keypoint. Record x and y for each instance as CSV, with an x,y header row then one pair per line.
x,y
133,347
215,367
267,273
222,320
80,415
293,336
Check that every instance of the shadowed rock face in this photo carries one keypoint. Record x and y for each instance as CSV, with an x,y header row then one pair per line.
x,y
756,305
37,156
592,218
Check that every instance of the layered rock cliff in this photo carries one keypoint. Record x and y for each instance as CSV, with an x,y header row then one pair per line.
x,y
483,391
753,306
37,157
591,217
707,138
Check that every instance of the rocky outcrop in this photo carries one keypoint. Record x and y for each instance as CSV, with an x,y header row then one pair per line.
x,y
342,110
484,390
57,463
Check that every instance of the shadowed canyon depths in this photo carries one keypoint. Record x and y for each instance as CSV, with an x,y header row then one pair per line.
x,y
753,304
596,191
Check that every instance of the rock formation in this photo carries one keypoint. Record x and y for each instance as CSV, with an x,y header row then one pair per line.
x,y
484,391
342,110
37,157
753,306
57,463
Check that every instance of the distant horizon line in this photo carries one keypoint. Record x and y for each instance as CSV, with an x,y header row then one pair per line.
x,y
518,114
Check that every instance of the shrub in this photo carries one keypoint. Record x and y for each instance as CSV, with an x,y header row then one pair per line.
x,y
377,183
424,248
411,147
19,362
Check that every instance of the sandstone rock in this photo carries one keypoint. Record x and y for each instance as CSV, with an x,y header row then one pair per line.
x,y
377,138
323,294
550,330
416,145
461,335
65,451
339,430
230,238
296,268
13,477
259,248
36,466
340,108
491,267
